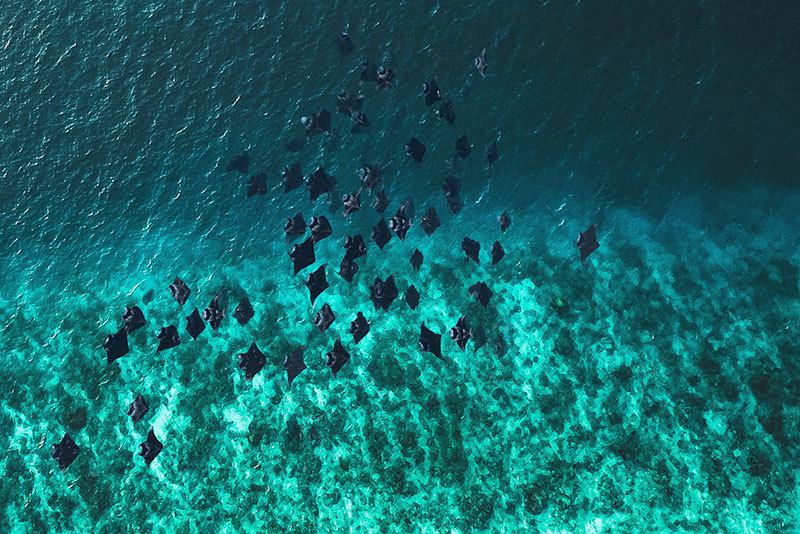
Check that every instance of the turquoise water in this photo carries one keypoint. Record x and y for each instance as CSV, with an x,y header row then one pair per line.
x,y
654,389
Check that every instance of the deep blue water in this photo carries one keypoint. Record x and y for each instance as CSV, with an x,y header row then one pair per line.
x,y
663,397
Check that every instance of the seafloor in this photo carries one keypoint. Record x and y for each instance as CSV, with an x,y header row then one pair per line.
x,y
655,388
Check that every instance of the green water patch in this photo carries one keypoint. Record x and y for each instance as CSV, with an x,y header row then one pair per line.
x,y
618,393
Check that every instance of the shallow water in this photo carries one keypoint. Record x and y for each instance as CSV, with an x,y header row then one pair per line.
x,y
654,389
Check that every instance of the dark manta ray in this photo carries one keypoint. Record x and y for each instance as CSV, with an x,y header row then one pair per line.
x,y
316,282
369,71
244,312
168,338
251,362
294,364
491,152
497,252
412,297
401,222
382,293
381,202
195,324
65,451
348,269
352,202
415,149
180,291
344,43
324,317
319,183
452,188
239,163
370,176
138,408
430,341
461,332
215,311
354,247
257,185
320,228
348,103
302,255
431,92
292,177
318,122
463,148
360,123
381,234
149,449
336,358
447,112
133,318
454,204
295,225
416,259
408,210
399,225
430,221
504,220
385,78
116,345
587,242
481,293
359,327
472,248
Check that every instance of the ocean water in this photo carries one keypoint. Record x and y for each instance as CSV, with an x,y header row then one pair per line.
x,y
654,389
